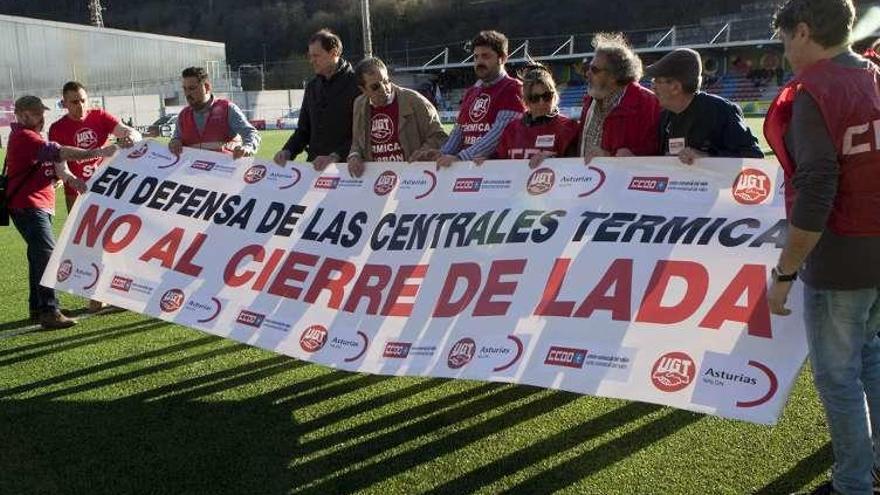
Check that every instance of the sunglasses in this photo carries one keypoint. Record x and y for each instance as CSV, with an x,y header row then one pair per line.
x,y
536,97
376,85
594,69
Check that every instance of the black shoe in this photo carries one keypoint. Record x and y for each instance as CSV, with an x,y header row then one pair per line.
x,y
55,320
824,489
876,474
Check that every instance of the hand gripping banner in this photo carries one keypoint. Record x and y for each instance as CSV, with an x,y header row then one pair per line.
x,y
636,278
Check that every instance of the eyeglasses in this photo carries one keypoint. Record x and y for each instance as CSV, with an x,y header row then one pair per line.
x,y
376,85
536,97
594,69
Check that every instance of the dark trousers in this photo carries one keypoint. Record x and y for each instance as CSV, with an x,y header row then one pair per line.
x,y
35,227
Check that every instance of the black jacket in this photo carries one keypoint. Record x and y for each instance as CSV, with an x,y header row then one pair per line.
x,y
712,125
324,125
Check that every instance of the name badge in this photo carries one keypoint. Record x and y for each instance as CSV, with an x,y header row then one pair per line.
x,y
676,145
545,141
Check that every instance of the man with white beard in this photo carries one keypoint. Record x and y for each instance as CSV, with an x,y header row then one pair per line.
x,y
620,117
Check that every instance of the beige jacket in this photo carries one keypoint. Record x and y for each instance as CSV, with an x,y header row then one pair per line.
x,y
419,123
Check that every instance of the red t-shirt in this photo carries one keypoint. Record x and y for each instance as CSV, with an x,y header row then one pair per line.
x,y
481,104
385,133
30,188
90,133
519,140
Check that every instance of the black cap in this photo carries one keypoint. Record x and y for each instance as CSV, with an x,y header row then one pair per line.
x,y
682,64
29,103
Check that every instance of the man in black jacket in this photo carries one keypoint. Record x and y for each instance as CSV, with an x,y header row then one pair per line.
x,y
694,124
324,128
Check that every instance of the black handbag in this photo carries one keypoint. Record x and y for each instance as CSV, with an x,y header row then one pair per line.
x,y
4,210
6,195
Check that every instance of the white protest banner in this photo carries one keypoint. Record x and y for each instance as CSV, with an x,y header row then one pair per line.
x,y
639,278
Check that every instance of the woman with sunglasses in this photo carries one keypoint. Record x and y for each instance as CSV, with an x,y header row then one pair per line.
x,y
542,132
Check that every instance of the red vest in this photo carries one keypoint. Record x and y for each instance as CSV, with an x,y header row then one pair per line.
x,y
216,128
849,99
481,104
520,141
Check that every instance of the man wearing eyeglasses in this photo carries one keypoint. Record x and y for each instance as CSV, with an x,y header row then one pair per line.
x,y
324,126
390,123
487,107
619,116
695,124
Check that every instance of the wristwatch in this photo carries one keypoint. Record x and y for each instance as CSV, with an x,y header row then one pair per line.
x,y
783,277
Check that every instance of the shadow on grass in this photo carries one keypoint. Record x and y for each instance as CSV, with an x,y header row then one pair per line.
x,y
64,447
337,464
70,342
16,325
583,465
801,473
548,448
116,363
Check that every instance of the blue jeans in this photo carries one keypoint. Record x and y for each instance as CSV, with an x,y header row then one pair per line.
x,y
842,328
35,227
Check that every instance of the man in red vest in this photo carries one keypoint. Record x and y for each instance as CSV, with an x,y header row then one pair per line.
x,y
487,107
825,130
211,123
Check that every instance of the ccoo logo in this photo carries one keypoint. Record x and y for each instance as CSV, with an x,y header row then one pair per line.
x,y
64,270
674,371
461,353
171,300
313,338
751,187
541,181
121,283
255,174
385,183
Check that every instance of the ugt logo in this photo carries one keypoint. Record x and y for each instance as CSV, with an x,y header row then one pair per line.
x,y
313,338
480,107
86,138
751,186
385,183
541,181
674,371
461,353
64,270
171,300
382,128
255,174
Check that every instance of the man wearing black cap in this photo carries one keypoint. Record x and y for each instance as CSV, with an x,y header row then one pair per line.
x,y
694,124
30,196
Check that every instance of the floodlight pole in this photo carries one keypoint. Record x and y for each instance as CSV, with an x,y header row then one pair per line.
x,y
365,24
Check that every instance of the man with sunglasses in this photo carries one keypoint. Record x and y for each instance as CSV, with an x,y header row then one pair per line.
x,y
86,128
619,116
487,107
695,124
390,123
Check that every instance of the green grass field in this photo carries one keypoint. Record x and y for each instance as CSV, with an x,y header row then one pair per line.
x,y
124,404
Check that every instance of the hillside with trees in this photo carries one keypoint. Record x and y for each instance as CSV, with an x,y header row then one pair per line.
x,y
276,31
